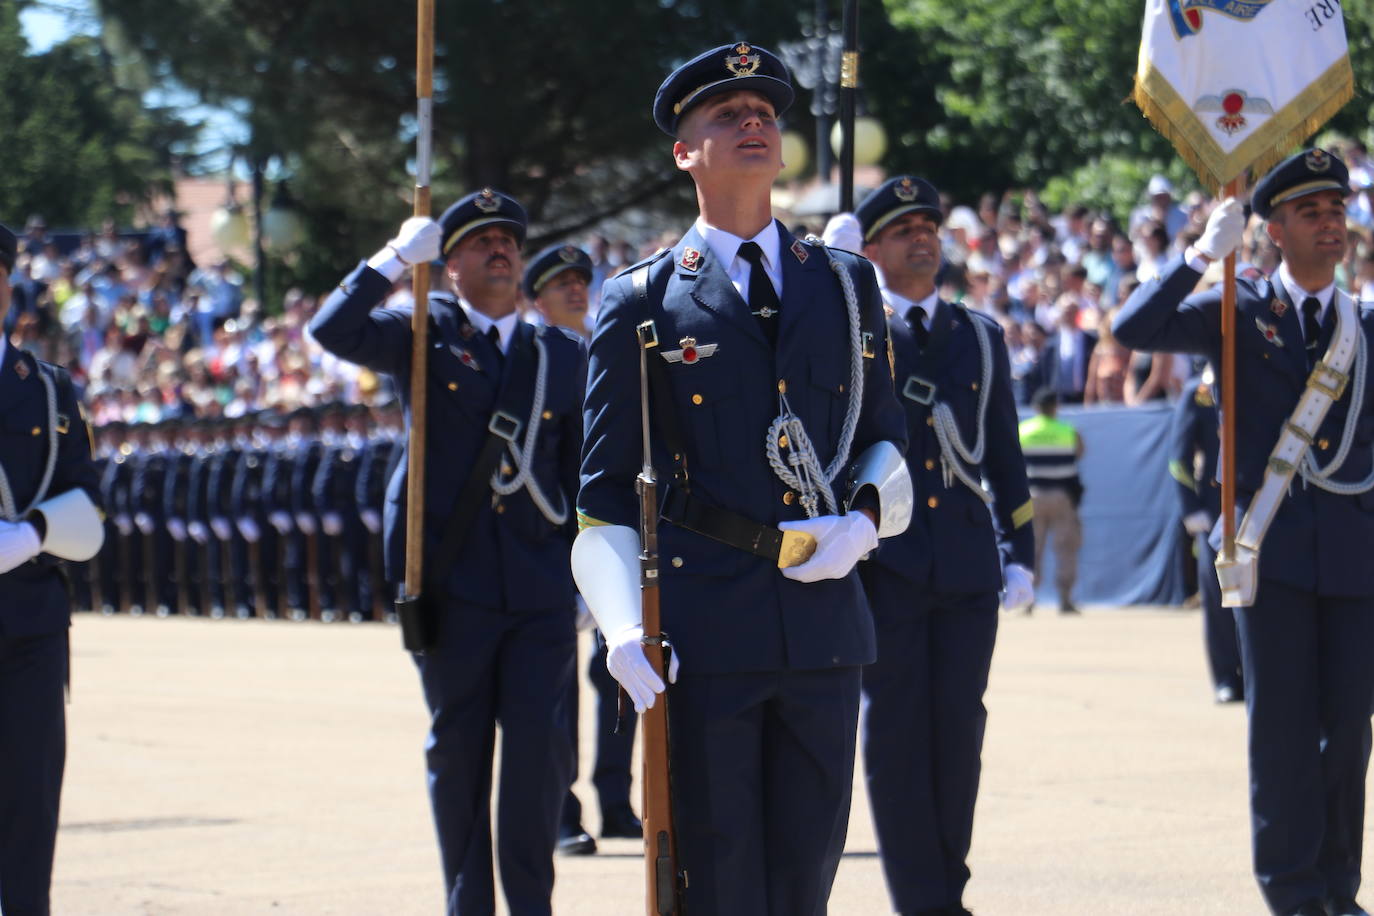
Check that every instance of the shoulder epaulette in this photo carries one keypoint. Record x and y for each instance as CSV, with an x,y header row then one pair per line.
x,y
656,256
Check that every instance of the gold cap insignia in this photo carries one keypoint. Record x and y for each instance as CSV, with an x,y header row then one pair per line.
x,y
568,253
486,201
1317,161
21,369
905,190
799,250
691,258
743,62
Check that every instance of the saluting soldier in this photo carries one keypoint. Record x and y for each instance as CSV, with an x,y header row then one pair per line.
x,y
772,408
48,512
504,432
1194,446
934,589
1301,582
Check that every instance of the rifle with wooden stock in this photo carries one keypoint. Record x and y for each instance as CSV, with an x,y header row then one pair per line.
x,y
665,880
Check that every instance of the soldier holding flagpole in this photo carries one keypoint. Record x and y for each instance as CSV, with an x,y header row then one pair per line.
x,y
1296,458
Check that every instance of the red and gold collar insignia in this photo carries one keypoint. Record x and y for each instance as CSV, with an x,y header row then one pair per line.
x,y
1278,307
691,259
21,369
799,250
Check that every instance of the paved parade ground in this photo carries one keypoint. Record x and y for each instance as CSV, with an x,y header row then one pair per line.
x,y
258,767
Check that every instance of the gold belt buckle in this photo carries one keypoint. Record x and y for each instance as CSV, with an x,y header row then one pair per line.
x,y
797,547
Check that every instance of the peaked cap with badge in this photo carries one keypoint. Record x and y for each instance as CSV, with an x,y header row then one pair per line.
x,y
553,261
1307,172
478,210
897,197
729,68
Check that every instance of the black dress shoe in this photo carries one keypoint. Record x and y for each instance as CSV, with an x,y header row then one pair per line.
x,y
1067,607
1345,906
1311,908
621,823
575,841
1229,694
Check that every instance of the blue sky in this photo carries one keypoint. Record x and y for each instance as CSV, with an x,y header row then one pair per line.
x,y
46,25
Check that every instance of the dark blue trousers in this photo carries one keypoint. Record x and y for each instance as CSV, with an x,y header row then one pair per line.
x,y
1218,623
611,774
924,722
33,751
1309,692
763,770
511,669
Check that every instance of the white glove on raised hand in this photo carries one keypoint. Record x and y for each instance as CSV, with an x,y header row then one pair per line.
x,y
220,525
1199,522
844,232
1225,227
1020,591
841,542
332,523
144,521
372,520
177,528
18,544
417,240
628,664
306,522
281,521
249,529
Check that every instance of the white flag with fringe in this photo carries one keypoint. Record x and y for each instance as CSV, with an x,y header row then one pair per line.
x,y
1237,84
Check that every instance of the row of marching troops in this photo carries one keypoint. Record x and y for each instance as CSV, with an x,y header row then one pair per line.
x,y
265,515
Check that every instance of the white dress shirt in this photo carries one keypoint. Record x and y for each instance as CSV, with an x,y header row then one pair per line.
x,y
504,326
725,247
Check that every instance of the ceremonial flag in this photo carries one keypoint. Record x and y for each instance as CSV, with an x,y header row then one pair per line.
x,y
1237,84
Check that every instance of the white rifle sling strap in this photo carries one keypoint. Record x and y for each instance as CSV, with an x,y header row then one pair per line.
x,y
1239,578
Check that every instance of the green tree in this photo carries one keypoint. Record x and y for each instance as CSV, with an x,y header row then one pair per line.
x,y
77,149
548,101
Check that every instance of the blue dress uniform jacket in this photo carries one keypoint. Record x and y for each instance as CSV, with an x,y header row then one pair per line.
x,y
1306,641
521,561
1336,529
954,544
34,616
728,610
933,590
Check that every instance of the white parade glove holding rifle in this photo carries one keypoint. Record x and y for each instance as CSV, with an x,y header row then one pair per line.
x,y
416,241
1019,593
605,564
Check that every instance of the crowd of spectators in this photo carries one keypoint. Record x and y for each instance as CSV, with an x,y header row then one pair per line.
x,y
151,336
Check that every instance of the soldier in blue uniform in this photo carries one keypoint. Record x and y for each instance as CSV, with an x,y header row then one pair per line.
x,y
48,494
777,393
934,588
375,467
1301,581
248,508
148,490
1193,449
504,412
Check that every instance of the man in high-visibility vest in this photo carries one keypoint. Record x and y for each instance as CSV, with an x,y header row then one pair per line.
x,y
1052,449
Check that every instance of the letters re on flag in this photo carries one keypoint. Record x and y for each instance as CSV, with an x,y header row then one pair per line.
x,y
1237,84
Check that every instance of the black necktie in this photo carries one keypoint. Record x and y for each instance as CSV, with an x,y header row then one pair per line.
x,y
916,319
763,299
1311,330
494,336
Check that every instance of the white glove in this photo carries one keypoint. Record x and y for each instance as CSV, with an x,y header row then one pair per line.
x,y
220,525
19,544
332,523
1199,522
628,664
177,528
1020,590
417,240
281,521
249,529
198,532
585,621
843,231
841,542
144,521
125,526
372,520
306,522
1224,229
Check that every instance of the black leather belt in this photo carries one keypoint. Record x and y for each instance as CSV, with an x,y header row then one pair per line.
x,y
784,548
